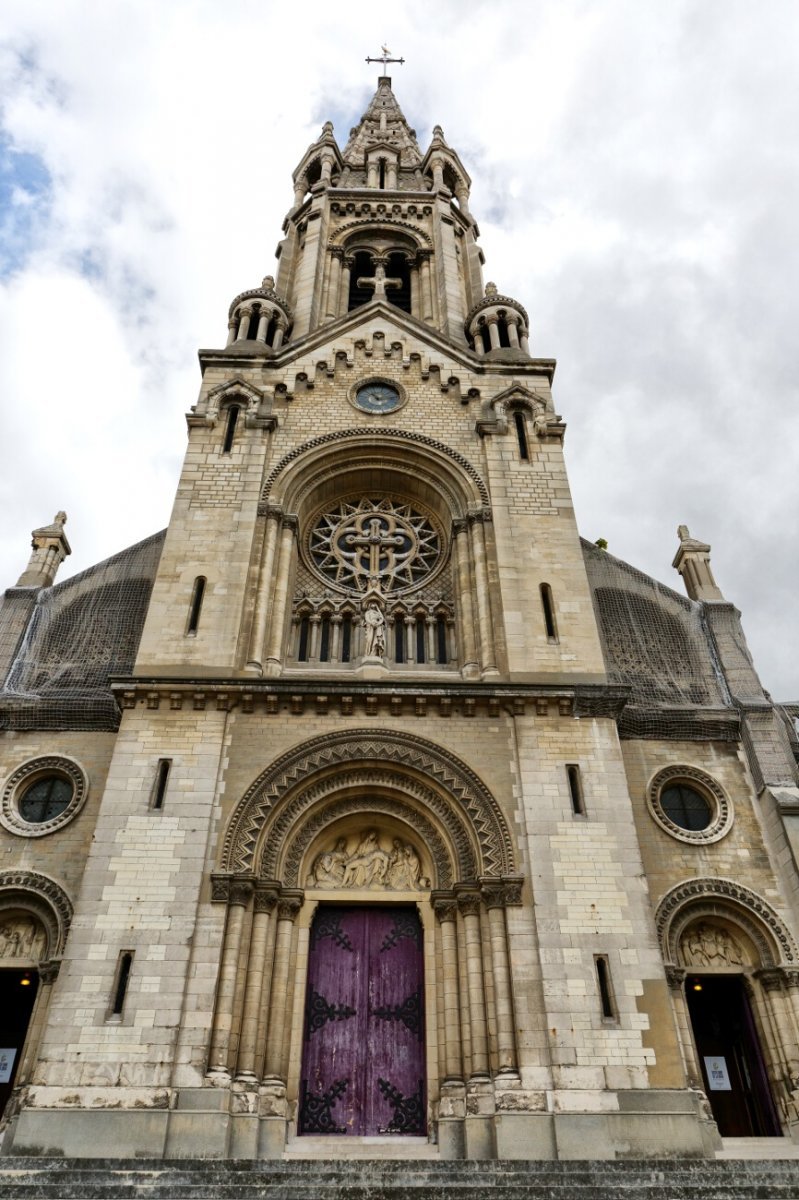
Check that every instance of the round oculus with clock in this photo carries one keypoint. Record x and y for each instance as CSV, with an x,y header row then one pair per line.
x,y
377,397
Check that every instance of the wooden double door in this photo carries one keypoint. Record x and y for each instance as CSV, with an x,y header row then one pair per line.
x,y
363,1063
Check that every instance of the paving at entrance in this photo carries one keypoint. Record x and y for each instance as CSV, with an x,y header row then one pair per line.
x,y
96,1179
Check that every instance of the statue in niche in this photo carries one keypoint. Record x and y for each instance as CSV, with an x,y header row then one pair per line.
x,y
374,624
21,938
708,945
369,865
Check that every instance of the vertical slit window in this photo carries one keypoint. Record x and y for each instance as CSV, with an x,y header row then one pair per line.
x,y
575,790
549,612
605,988
399,640
230,428
346,639
195,607
441,641
161,780
382,172
324,640
521,434
302,649
121,981
421,655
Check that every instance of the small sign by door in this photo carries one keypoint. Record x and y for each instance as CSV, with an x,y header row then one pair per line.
x,y
718,1078
6,1064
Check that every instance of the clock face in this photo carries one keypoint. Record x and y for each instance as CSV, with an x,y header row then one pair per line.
x,y
377,398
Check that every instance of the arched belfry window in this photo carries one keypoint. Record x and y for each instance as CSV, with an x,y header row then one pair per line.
x,y
399,269
362,268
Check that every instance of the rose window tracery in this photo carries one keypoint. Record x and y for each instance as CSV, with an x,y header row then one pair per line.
x,y
366,542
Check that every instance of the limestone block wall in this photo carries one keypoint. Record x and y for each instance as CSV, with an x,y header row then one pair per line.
x,y
140,893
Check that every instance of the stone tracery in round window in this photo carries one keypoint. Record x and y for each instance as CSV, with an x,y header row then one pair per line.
x,y
362,542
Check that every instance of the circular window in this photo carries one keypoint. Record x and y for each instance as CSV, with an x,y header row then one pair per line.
x,y
689,804
42,795
362,541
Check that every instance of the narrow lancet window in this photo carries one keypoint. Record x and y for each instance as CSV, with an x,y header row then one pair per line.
x,y
441,641
521,434
121,980
575,790
346,639
302,649
195,607
324,640
549,612
399,640
230,428
606,1000
420,646
161,780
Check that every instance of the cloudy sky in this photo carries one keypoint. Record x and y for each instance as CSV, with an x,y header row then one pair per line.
x,y
636,181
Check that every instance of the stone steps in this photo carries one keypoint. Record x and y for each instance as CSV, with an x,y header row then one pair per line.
x,y
676,1179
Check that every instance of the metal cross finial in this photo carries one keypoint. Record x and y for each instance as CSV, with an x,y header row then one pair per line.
x,y
385,58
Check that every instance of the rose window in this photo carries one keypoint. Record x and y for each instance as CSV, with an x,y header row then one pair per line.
x,y
381,542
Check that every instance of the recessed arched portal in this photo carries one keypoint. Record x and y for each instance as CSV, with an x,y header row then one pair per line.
x,y
379,831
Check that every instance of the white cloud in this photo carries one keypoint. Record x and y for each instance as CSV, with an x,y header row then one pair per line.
x,y
636,181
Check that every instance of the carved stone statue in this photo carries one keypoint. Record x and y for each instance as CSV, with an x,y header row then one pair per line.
x,y
21,937
374,631
709,945
369,865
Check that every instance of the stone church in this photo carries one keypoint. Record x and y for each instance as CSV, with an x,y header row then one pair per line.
x,y
368,801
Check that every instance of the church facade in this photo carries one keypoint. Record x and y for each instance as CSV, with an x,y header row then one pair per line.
x,y
367,800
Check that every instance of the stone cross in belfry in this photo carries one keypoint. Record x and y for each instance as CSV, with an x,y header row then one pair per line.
x,y
379,282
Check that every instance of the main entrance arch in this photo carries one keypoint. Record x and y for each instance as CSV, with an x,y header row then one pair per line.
x,y
379,831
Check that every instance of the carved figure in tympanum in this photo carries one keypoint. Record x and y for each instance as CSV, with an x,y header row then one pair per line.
x,y
708,945
369,865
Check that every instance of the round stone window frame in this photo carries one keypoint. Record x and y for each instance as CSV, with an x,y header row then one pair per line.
x,y
29,773
721,810
352,395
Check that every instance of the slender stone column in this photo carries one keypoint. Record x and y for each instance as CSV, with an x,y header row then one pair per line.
x,y
244,323
764,1019
231,331
477,338
524,341
432,655
460,530
344,293
335,637
263,324
239,894
334,284
413,266
277,1042
257,978
410,639
280,332
469,905
477,542
48,973
492,322
792,997
494,896
446,912
391,175
513,332
255,657
774,1003
427,289
372,174
313,650
280,600
438,173
685,1039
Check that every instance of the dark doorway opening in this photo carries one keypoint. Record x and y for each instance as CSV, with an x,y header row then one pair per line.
x,y
731,1057
363,1069
17,996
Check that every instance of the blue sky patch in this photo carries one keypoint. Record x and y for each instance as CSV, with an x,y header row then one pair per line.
x,y
25,194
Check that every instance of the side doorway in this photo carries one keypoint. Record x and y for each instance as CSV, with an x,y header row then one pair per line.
x,y
18,989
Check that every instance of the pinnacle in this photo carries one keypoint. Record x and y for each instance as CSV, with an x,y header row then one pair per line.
x,y
383,121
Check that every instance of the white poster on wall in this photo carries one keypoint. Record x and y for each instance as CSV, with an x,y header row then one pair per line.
x,y
6,1064
718,1078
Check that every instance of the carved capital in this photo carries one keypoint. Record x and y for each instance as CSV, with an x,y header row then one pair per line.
x,y
291,521
770,979
493,893
469,903
513,890
272,512
459,525
675,977
288,906
482,516
48,971
444,906
220,888
240,892
265,898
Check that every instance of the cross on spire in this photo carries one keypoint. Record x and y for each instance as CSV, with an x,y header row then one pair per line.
x,y
385,58
379,282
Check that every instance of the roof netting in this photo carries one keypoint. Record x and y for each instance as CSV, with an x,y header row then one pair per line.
x,y
656,642
81,632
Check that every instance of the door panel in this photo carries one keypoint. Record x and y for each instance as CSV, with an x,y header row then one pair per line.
x,y
363,1052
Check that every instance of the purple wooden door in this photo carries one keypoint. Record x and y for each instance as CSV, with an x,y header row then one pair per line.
x,y
363,1052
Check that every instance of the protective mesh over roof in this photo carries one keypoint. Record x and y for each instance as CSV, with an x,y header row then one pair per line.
x,y
656,642
81,632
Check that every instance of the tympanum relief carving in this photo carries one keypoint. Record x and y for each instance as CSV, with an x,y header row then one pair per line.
x,y
21,937
371,862
707,945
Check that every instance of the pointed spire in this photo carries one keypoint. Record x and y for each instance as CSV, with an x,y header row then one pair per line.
x,y
383,121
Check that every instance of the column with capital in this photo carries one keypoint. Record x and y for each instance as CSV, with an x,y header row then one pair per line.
x,y
469,906
238,899
494,897
277,1049
280,595
334,283
256,654
257,981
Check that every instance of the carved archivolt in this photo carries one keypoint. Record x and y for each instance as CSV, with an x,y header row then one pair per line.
x,y
723,901
444,784
375,433
367,221
35,915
